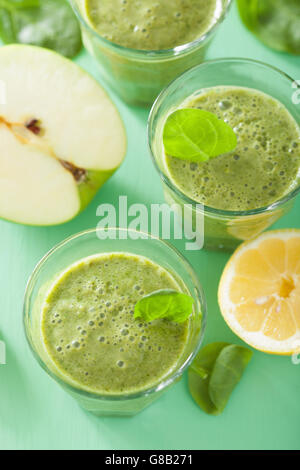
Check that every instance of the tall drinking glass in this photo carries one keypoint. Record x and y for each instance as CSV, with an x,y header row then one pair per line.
x,y
95,242
224,229
138,76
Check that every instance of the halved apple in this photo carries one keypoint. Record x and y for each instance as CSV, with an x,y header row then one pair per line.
x,y
61,137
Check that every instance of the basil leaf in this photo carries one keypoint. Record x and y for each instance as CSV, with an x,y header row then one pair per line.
x,y
189,135
227,373
46,23
226,138
197,135
215,373
199,375
249,11
165,303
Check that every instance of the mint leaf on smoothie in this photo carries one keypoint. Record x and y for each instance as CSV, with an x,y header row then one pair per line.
x,y
215,373
197,135
166,303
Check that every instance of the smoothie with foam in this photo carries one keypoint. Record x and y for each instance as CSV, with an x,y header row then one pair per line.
x,y
263,168
89,330
142,45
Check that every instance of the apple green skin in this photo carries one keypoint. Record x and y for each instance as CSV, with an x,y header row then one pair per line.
x,y
88,189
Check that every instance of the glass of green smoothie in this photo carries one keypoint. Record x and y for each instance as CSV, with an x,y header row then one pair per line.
x,y
275,22
243,192
80,323
142,45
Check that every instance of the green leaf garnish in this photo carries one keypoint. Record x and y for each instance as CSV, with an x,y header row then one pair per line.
x,y
45,23
197,135
165,303
215,373
277,25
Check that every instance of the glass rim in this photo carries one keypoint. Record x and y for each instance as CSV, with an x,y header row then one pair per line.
x,y
116,397
166,180
159,53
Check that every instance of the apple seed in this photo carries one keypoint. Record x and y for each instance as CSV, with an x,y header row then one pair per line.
x,y
34,126
79,174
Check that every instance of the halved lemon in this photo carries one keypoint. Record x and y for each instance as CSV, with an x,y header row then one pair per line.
x,y
259,292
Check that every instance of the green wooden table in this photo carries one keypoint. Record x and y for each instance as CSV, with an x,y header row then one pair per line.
x,y
264,411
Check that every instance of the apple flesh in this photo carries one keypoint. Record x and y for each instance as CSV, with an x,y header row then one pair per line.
x,y
61,137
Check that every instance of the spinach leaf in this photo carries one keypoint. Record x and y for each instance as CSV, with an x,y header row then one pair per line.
x,y
248,12
199,375
165,303
46,23
214,374
275,22
197,135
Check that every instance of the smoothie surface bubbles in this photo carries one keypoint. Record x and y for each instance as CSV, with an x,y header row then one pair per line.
x,y
97,342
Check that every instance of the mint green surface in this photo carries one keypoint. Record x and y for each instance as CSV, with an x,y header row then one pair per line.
x,y
264,410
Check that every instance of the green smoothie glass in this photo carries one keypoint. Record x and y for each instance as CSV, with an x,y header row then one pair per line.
x,y
224,229
275,22
97,242
138,76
